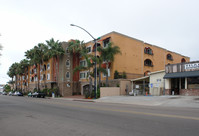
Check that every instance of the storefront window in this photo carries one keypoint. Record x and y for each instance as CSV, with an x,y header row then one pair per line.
x,y
182,83
193,83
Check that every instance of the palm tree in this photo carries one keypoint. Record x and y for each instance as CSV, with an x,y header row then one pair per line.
x,y
81,50
55,51
75,48
12,72
44,56
108,54
34,57
24,69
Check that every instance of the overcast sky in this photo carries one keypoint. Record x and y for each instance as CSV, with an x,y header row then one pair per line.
x,y
170,24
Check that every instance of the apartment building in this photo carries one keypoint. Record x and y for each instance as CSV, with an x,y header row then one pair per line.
x,y
137,59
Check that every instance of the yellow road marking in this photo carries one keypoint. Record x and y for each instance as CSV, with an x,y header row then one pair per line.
x,y
127,111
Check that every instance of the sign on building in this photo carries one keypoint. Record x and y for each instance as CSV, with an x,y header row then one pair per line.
x,y
191,66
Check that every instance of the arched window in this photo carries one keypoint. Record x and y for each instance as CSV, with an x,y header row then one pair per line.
x,y
169,57
148,50
67,75
183,60
68,63
148,62
146,73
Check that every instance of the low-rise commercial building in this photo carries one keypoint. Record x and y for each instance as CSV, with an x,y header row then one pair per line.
x,y
182,78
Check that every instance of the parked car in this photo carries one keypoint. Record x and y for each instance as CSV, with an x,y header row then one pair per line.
x,y
10,93
18,94
4,93
30,94
38,95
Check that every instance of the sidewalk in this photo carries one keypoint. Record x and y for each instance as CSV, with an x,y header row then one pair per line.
x,y
166,100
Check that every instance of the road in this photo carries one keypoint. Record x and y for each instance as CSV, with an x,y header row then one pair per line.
x,y
23,116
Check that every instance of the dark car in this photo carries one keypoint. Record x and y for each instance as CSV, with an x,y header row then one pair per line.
x,y
38,95
19,94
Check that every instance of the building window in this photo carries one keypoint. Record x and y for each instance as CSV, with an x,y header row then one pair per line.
x,y
193,82
83,63
148,50
82,75
106,42
35,71
88,49
67,63
48,76
98,45
67,51
148,62
169,57
35,78
41,78
68,84
44,67
67,75
109,73
183,60
48,66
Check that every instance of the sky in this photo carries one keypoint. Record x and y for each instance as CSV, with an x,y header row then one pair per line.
x,y
170,24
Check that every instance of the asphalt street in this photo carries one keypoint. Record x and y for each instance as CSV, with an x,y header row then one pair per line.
x,y
23,116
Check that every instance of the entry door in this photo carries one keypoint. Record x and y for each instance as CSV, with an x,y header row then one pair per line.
x,y
175,86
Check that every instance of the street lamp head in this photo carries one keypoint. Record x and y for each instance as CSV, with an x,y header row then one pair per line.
x,y
72,24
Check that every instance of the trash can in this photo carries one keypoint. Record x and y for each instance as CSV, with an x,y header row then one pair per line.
x,y
53,95
172,92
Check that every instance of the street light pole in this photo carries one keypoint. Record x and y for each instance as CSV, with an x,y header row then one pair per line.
x,y
95,43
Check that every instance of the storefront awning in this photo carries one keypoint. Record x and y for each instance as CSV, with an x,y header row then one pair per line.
x,y
182,74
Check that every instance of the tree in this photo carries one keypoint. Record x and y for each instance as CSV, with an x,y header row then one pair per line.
x,y
55,51
7,88
78,48
37,56
13,73
23,69
75,47
108,54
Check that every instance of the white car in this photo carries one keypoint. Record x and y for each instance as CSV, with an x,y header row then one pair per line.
x,y
10,93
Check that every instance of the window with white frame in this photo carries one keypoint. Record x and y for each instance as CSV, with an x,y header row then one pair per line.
x,y
109,73
35,70
35,78
68,75
89,49
67,63
82,75
48,66
83,63
41,78
48,76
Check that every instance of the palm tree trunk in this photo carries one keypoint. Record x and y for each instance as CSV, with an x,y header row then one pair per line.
x,y
16,83
38,77
12,83
99,75
90,85
107,74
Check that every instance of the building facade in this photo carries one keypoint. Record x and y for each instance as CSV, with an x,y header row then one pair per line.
x,y
182,78
136,60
